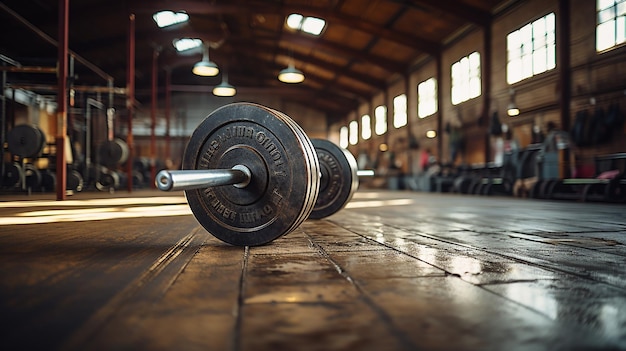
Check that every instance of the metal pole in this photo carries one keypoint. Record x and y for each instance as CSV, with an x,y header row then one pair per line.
x,y
155,56
565,80
130,100
440,113
61,167
30,69
168,103
58,44
3,125
486,81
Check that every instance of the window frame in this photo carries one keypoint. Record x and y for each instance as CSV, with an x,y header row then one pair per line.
x,y
614,24
400,113
425,101
380,121
353,132
466,78
366,127
531,49
344,137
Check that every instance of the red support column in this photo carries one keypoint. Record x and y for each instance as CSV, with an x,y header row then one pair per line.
x,y
130,100
155,56
168,102
61,136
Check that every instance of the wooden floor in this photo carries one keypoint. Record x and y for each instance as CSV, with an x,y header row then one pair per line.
x,y
393,271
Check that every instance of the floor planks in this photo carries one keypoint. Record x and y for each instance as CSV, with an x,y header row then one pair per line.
x,y
393,271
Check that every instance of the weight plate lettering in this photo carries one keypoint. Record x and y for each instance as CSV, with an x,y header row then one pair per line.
x,y
279,195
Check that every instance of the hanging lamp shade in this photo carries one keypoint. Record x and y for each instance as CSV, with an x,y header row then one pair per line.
x,y
291,75
224,89
512,109
206,67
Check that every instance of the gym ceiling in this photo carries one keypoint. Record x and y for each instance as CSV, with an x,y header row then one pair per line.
x,y
363,47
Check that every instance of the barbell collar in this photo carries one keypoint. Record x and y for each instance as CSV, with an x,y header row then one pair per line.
x,y
238,176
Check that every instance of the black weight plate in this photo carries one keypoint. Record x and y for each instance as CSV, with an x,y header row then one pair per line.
x,y
108,180
278,194
113,152
48,180
12,175
26,140
74,180
339,178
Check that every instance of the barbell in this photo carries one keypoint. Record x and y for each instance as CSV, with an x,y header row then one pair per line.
x,y
279,176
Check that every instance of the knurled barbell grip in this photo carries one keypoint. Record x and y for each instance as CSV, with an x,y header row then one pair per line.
x,y
238,176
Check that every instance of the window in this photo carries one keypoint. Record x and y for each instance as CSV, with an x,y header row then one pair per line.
x,y
366,127
311,25
343,137
466,78
427,98
399,111
354,133
169,18
380,113
611,29
531,49
186,44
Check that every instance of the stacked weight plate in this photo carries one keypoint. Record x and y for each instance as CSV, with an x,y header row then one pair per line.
x,y
339,178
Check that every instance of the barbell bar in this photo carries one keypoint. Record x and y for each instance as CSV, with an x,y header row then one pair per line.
x,y
238,176
338,178
280,177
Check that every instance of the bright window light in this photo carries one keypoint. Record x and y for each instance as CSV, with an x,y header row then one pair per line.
x,y
611,25
169,18
354,132
311,25
466,78
427,98
343,137
531,49
380,113
186,44
366,127
399,111
294,21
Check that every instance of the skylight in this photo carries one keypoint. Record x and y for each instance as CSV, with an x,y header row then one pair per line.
x,y
169,18
311,25
186,44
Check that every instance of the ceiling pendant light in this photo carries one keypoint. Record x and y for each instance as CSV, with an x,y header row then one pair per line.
x,y
206,67
512,109
291,75
224,89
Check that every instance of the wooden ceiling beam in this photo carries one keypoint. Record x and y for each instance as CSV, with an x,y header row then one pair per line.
x,y
421,44
358,55
234,7
456,8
